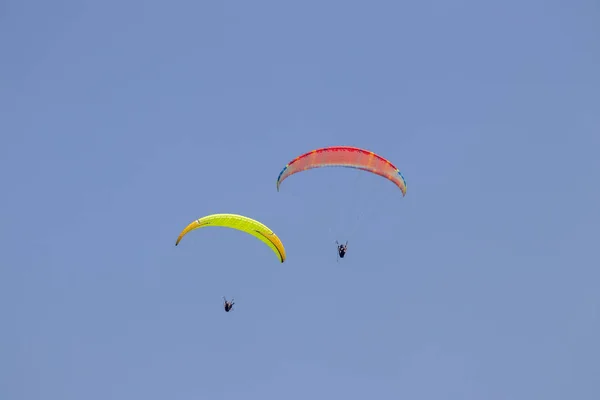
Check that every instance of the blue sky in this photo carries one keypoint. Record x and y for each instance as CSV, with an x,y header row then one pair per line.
x,y
121,122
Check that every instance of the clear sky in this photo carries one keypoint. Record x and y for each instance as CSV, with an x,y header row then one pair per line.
x,y
123,121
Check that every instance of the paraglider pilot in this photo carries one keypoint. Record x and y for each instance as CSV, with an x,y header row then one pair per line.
x,y
228,305
342,249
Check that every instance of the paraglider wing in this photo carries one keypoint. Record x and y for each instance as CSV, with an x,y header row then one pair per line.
x,y
241,223
344,156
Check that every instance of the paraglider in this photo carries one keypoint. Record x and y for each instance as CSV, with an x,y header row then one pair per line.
x,y
347,157
228,305
241,223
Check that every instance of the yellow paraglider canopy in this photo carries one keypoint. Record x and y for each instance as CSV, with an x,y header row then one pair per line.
x,y
241,223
